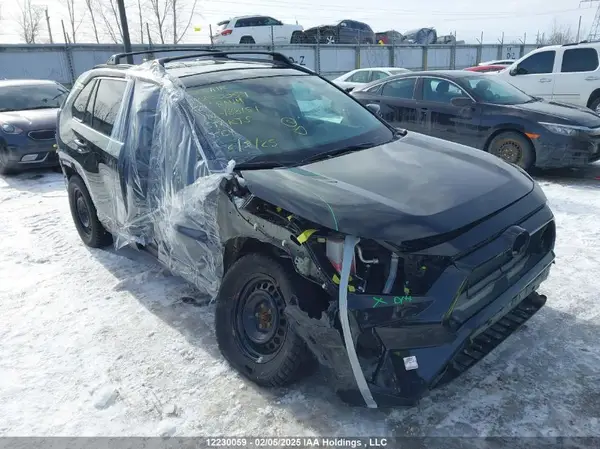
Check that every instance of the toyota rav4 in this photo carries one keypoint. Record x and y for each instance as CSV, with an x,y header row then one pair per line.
x,y
395,259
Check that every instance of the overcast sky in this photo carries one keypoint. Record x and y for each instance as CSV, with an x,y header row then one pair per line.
x,y
467,17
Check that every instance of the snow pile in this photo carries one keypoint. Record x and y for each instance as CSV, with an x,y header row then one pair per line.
x,y
103,343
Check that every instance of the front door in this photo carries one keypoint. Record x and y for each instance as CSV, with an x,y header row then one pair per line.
x,y
534,74
444,120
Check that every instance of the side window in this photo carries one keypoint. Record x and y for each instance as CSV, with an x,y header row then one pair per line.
x,y
377,75
403,88
81,102
240,23
359,77
374,90
271,21
260,22
542,62
109,96
440,90
579,60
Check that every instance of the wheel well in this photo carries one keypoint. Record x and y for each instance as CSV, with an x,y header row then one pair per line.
x,y
69,171
506,130
247,37
241,246
593,97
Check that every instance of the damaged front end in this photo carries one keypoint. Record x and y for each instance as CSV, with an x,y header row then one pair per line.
x,y
395,320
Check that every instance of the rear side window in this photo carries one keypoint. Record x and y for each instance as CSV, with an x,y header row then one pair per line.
x,y
109,96
542,62
579,60
403,88
359,77
377,75
81,102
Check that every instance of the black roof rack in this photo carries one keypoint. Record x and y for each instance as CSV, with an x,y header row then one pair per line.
x,y
277,57
116,58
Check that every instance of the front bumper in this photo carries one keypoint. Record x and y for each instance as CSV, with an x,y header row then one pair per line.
x,y
32,154
556,151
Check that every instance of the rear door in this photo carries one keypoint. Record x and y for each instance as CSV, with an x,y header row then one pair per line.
x,y
577,77
95,144
440,118
398,104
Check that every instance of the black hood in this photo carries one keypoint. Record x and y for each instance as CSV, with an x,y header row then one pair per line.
x,y
31,119
562,113
412,188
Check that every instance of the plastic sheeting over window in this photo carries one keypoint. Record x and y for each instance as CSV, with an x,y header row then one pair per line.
x,y
167,179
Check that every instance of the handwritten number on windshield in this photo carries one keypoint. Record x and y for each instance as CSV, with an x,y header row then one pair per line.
x,y
293,124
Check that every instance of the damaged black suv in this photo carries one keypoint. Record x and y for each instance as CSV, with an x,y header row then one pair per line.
x,y
395,259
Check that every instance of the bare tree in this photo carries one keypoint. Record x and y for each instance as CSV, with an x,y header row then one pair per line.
x,y
560,34
30,21
91,10
74,21
109,13
178,13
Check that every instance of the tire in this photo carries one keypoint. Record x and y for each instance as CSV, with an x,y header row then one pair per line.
x,y
297,37
329,38
247,40
595,105
4,169
272,357
513,147
84,215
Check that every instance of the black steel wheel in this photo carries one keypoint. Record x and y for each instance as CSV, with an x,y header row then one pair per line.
x,y
513,147
85,216
253,333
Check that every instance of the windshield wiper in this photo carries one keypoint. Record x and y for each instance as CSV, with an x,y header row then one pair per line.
x,y
258,165
339,152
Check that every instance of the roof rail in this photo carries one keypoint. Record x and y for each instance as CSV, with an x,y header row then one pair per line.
x,y
116,58
277,57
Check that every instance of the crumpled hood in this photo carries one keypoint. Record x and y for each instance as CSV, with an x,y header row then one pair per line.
x,y
412,188
31,119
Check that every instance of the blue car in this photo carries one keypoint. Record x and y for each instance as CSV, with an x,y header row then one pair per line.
x,y
28,114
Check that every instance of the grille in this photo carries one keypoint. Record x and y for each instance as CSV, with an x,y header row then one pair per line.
x,y
487,341
45,134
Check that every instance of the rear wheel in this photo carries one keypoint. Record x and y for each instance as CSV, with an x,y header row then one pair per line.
x,y
85,216
252,331
329,38
513,147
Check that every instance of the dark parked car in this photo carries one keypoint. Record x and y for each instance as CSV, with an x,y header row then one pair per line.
x,y
343,32
395,259
483,112
28,113
389,37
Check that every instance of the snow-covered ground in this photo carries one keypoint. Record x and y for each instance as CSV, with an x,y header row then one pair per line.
x,y
101,343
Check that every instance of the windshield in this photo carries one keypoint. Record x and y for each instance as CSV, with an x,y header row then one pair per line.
x,y
490,90
283,119
31,96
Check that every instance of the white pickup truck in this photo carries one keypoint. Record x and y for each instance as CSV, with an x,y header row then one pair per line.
x,y
260,30
565,73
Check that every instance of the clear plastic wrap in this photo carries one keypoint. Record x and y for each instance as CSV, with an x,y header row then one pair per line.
x,y
167,182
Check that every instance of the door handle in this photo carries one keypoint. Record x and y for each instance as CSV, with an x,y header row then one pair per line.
x,y
592,78
545,80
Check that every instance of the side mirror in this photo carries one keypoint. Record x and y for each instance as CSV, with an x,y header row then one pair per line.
x,y
462,102
514,71
374,108
349,89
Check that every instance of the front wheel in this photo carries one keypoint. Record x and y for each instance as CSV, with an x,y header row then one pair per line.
x,y
513,147
253,333
4,161
595,105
